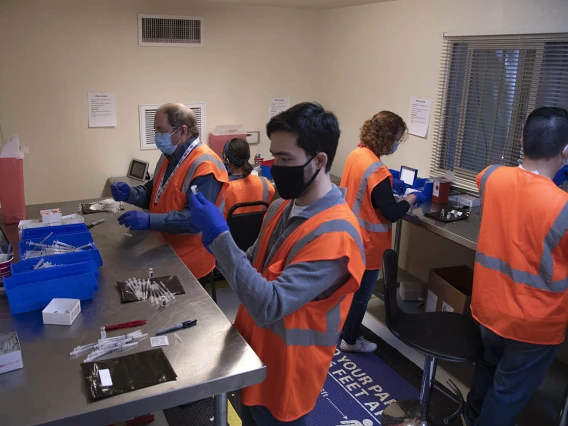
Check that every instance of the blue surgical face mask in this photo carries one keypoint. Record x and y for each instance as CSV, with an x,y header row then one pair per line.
x,y
164,142
394,147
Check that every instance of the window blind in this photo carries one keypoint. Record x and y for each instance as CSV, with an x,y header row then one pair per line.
x,y
488,86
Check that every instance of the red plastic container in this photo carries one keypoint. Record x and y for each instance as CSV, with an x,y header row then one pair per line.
x,y
441,191
12,196
217,142
5,271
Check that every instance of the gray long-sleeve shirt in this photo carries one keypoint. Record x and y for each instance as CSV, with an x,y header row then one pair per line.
x,y
174,222
299,283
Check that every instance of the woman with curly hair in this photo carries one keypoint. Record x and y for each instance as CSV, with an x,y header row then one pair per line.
x,y
369,187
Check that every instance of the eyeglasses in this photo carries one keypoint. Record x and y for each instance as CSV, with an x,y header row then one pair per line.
x,y
166,132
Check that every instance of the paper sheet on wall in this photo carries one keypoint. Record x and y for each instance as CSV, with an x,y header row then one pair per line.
x,y
277,105
419,116
102,109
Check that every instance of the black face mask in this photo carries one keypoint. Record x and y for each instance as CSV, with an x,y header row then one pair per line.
x,y
290,180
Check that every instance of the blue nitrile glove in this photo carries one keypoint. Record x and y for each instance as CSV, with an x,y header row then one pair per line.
x,y
561,176
398,186
135,220
206,217
120,191
420,198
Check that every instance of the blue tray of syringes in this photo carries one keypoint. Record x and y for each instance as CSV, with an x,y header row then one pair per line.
x,y
75,228
58,261
33,291
74,239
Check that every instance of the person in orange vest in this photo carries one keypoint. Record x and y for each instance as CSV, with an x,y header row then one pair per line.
x,y
370,185
185,161
297,281
520,286
243,186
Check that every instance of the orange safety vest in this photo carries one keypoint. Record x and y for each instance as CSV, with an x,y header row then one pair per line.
x,y
298,349
249,189
189,247
363,171
521,265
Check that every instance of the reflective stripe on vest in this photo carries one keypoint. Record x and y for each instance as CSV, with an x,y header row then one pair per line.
x,y
552,239
270,214
308,337
484,178
198,161
542,281
336,225
358,203
522,277
264,189
159,166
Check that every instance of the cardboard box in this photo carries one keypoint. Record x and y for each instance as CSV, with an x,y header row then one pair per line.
x,y
449,290
10,353
61,311
51,216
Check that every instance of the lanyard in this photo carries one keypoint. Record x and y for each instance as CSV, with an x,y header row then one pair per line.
x,y
163,185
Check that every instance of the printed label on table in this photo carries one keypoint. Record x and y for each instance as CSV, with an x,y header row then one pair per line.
x,y
431,302
159,341
104,375
446,307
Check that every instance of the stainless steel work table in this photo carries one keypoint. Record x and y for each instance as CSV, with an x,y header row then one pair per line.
x,y
212,360
464,232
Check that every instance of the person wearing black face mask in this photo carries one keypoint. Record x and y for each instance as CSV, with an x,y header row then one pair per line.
x,y
297,281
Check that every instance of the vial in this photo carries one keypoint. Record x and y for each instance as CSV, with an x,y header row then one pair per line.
x,y
150,273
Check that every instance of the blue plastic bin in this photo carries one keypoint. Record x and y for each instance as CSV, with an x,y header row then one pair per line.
x,y
33,291
395,173
428,189
74,228
266,169
419,183
63,260
76,240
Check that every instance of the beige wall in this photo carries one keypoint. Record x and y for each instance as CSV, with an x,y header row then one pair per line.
x,y
356,61
53,52
377,56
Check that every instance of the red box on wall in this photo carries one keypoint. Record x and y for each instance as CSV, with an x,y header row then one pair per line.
x,y
217,142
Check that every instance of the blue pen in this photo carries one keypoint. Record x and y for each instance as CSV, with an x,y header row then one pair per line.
x,y
9,251
175,327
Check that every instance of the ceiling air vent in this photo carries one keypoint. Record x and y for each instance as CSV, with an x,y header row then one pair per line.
x,y
162,30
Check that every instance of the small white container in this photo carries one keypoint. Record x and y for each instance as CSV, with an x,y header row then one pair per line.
x,y
51,216
61,311
10,359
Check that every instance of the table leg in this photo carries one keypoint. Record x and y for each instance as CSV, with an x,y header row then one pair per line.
x,y
221,409
397,235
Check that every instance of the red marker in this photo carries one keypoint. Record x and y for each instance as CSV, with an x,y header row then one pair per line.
x,y
124,325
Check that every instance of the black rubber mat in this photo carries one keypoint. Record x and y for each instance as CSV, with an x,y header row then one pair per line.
x,y
202,412
199,413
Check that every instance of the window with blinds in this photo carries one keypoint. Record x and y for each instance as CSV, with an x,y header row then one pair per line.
x,y
488,86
